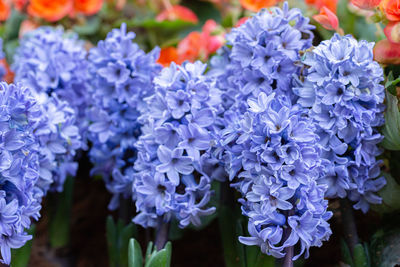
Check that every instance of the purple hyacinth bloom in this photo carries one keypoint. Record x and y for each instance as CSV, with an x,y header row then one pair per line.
x,y
174,148
20,194
345,99
50,60
274,160
121,76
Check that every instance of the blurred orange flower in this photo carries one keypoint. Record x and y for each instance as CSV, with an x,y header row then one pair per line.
x,y
392,31
50,10
9,76
196,45
327,19
256,5
366,4
331,4
178,12
386,52
168,55
4,10
391,8
87,7
200,45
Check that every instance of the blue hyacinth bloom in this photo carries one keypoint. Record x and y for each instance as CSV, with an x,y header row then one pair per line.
x,y
273,158
50,60
121,76
343,94
172,178
20,196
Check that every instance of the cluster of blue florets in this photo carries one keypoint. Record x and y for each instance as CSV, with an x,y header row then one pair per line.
x,y
121,77
288,130
50,60
20,197
53,65
343,92
261,55
177,136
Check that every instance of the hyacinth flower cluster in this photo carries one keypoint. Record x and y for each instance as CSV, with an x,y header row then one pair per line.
x,y
50,60
53,66
261,54
274,161
59,139
343,94
20,196
172,180
121,77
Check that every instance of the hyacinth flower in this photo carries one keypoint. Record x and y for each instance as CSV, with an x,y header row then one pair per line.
x,y
20,197
273,159
173,151
121,77
344,97
261,54
59,139
50,60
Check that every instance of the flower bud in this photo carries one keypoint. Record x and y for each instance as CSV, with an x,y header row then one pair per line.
x,y
386,52
327,19
392,32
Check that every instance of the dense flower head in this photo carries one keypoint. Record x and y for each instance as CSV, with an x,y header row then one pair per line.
x,y
345,99
121,77
59,139
273,159
261,54
19,166
51,60
173,177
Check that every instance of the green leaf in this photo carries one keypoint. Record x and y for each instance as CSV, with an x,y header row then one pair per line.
x,y
124,235
135,257
149,251
391,83
20,257
112,236
360,257
90,27
161,258
346,254
391,129
60,221
390,195
264,260
12,25
385,247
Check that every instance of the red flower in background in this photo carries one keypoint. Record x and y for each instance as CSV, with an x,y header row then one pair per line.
x,y
50,10
178,12
256,5
241,21
168,55
386,52
392,32
366,4
327,19
391,8
330,4
196,45
87,7
4,10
